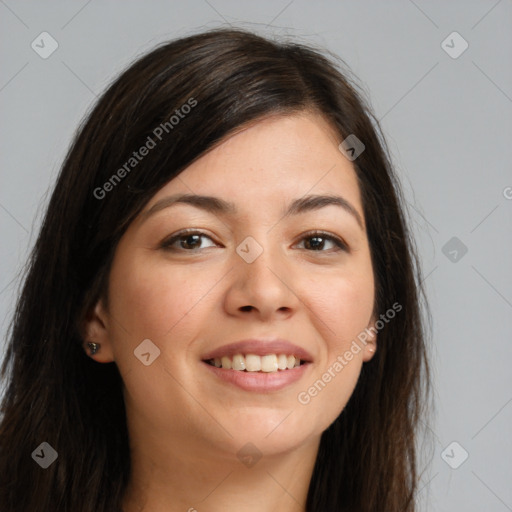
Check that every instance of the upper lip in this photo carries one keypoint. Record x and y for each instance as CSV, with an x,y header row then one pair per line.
x,y
259,347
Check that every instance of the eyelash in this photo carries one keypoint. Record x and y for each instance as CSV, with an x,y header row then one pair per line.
x,y
167,244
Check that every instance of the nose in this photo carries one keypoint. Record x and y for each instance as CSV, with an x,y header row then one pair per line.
x,y
262,289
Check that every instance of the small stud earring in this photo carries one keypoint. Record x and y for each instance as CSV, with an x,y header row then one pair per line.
x,y
371,349
93,347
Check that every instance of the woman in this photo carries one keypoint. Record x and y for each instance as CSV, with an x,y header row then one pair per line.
x,y
222,309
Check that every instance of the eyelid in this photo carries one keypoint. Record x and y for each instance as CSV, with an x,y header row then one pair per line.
x,y
338,241
167,241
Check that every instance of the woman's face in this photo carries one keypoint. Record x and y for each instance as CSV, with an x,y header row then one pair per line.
x,y
252,269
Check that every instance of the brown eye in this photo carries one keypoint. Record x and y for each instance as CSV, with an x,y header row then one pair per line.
x,y
185,240
317,241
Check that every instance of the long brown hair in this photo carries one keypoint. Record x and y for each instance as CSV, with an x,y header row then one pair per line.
x,y
58,395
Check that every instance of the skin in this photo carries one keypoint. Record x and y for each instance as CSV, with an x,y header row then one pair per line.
x,y
186,425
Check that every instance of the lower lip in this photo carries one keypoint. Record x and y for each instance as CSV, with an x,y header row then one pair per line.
x,y
259,381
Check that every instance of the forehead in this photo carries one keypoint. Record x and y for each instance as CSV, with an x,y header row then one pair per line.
x,y
271,160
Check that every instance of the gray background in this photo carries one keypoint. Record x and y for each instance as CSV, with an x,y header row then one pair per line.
x,y
448,124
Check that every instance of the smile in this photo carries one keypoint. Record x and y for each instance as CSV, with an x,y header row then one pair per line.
x,y
254,363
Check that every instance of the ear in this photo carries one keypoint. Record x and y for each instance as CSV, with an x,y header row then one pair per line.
x,y
95,329
370,346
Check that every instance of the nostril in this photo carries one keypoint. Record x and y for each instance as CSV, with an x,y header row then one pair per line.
x,y
246,308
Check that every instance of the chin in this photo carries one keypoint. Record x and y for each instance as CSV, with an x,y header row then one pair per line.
x,y
271,431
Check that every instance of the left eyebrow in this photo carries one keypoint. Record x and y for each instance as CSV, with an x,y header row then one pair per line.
x,y
219,206
315,202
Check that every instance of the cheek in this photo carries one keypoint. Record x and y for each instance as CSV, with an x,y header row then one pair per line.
x,y
342,309
344,305
156,301
342,314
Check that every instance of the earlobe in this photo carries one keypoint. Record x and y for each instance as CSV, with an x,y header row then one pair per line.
x,y
371,341
369,351
96,339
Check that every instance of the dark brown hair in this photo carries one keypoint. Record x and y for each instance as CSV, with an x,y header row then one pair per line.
x,y
56,394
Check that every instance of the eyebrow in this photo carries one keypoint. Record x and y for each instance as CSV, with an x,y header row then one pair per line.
x,y
219,206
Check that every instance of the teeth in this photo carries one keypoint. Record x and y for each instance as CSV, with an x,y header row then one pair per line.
x,y
269,363
252,363
238,362
226,362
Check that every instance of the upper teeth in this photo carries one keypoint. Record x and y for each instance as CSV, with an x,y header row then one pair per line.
x,y
254,363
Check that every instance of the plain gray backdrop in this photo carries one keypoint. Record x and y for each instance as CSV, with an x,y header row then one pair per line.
x,y
446,113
